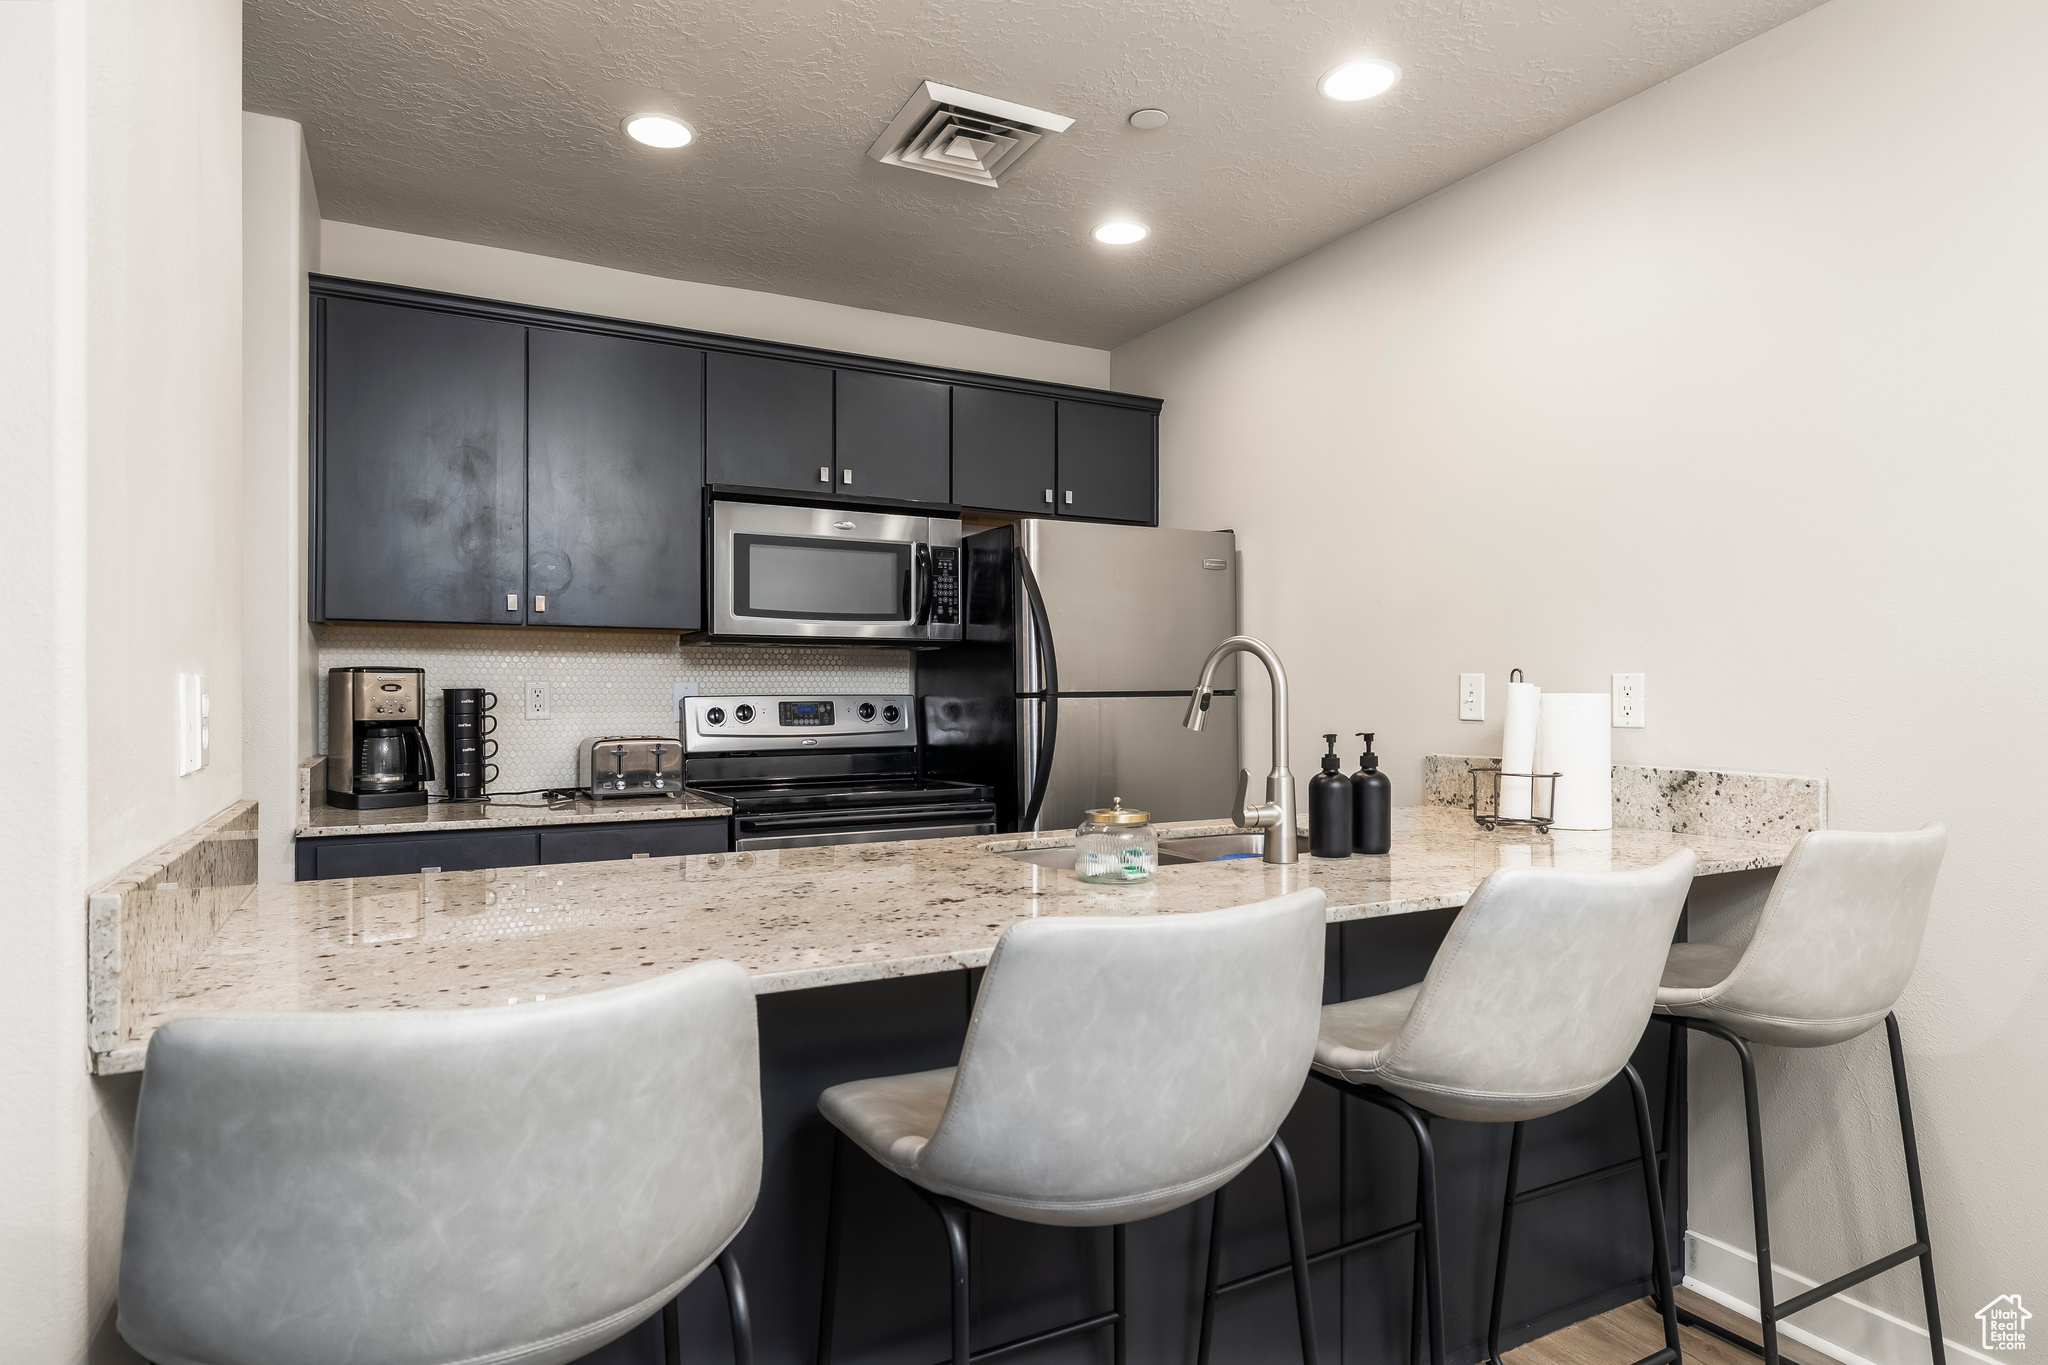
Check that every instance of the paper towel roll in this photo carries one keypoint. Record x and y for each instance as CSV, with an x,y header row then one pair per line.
x,y
1518,749
1576,741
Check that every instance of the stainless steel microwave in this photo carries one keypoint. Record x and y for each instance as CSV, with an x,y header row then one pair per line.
x,y
817,575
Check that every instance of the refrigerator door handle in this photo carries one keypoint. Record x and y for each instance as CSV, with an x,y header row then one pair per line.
x,y
1048,733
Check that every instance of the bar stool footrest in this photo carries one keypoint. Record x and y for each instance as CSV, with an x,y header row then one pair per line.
x,y
1041,1338
1406,1229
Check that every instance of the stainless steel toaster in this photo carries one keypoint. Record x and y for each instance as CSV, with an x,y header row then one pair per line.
x,y
630,766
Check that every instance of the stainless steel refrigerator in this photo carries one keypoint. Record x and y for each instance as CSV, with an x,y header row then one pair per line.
x,y
1082,644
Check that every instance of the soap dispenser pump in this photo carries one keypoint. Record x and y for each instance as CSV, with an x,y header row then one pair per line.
x,y
1329,808
1372,804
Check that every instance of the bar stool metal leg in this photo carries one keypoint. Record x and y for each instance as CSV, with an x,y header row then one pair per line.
x,y
828,1304
1922,1249
1119,1256
1653,1197
1298,1263
735,1307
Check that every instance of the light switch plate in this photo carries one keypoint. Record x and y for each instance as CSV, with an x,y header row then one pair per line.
x,y
195,710
1628,701
677,693
1471,696
537,703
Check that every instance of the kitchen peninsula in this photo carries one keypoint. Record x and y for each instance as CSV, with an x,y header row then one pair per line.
x,y
865,958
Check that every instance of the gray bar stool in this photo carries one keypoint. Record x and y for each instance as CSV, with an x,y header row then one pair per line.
x,y
1534,1002
498,1186
1832,950
1114,1069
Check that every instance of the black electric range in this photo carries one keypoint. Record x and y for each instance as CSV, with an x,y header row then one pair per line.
x,y
805,771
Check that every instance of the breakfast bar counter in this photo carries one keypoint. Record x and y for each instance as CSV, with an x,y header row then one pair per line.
x,y
794,918
866,959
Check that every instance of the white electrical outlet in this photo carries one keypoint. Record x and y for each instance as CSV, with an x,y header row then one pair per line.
x,y
195,722
676,695
1628,701
1471,696
537,700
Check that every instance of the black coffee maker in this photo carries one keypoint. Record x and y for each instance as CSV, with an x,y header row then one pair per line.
x,y
377,754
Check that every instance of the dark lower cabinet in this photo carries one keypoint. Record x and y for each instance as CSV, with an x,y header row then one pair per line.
x,y
1004,451
391,855
893,437
767,423
615,477
422,475
1109,468
654,838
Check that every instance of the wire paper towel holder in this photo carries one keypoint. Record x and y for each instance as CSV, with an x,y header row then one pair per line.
x,y
1487,814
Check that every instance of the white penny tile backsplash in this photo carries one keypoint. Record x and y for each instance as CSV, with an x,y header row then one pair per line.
x,y
600,683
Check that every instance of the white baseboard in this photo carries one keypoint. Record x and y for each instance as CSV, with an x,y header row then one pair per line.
x,y
1852,1332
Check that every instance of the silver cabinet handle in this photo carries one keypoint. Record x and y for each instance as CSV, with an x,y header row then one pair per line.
x,y
1048,497
540,604
1070,497
824,473
511,601
846,476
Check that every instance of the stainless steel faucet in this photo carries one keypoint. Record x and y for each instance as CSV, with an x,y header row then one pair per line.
x,y
1276,815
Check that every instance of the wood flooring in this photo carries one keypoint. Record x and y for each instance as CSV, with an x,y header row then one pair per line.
x,y
1632,1331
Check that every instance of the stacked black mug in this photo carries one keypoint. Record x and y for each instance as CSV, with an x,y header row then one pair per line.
x,y
467,723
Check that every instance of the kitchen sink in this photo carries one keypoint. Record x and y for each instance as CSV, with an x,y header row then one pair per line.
x,y
1209,848
1204,848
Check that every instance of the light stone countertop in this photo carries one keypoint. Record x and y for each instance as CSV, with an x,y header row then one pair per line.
x,y
794,918
439,817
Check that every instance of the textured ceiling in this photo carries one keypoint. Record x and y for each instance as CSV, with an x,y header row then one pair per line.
x,y
497,121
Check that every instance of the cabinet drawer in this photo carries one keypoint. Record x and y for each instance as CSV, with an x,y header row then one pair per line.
x,y
655,838
390,855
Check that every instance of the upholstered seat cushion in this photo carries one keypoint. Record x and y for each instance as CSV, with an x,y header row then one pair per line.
x,y
891,1117
1356,1034
1695,971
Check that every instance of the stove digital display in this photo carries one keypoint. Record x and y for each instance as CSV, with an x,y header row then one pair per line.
x,y
805,712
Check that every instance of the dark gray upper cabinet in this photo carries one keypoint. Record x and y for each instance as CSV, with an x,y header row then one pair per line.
x,y
894,437
422,497
1003,451
1108,465
614,484
767,423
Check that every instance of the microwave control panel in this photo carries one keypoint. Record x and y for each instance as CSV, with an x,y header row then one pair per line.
x,y
945,585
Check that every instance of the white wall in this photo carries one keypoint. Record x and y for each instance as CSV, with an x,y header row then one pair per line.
x,y
120,416
1741,384
366,253
280,663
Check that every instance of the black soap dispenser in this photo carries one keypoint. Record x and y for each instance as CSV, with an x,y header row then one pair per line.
x,y
1372,804
1329,808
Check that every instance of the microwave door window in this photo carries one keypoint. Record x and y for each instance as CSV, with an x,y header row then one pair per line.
x,y
802,579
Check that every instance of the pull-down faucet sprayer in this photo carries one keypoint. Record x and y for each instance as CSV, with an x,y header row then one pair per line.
x,y
1276,815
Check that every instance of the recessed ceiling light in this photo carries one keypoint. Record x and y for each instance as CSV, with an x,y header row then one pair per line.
x,y
1361,80
1121,232
1146,120
659,130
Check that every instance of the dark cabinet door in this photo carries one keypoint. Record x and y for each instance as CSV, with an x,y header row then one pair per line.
x,y
392,855
672,838
894,437
767,423
1107,464
1003,451
422,481
614,482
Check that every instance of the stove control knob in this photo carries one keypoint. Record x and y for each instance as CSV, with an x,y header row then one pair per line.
x,y
715,716
867,710
891,715
743,714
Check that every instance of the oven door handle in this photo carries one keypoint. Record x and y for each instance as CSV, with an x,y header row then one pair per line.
x,y
973,812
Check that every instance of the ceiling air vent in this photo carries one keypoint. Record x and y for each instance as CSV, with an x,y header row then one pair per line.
x,y
963,135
